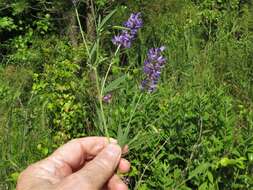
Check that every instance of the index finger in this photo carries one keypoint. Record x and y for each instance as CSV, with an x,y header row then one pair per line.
x,y
67,159
77,151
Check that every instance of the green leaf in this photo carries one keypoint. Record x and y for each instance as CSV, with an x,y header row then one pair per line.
x,y
199,170
226,161
99,121
120,28
45,151
203,186
19,7
250,156
239,162
105,20
114,84
210,176
7,23
122,137
14,176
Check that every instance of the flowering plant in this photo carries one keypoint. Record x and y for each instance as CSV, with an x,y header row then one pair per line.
x,y
132,25
152,68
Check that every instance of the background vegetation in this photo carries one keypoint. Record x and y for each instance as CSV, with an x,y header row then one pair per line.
x,y
194,132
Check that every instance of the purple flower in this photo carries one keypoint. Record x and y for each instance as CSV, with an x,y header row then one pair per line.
x,y
107,98
152,68
125,38
134,23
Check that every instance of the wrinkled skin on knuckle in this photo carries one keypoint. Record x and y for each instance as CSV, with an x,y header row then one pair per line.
x,y
76,182
103,165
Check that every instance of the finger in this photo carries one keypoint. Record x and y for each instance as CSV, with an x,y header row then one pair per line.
x,y
125,150
115,183
124,166
75,152
98,171
72,156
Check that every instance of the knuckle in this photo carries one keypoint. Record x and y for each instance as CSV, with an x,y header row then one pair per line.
x,y
87,181
74,141
103,165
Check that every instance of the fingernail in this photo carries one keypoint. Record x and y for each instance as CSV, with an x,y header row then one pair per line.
x,y
113,150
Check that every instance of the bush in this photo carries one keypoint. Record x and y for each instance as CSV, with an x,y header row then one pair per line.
x,y
60,90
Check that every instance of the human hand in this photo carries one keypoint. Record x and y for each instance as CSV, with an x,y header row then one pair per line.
x,y
81,164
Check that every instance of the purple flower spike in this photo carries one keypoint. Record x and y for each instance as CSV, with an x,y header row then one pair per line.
x,y
126,37
134,23
152,68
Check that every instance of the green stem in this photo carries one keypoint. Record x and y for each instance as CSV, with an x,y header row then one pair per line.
x,y
82,33
100,98
101,92
108,70
131,117
124,138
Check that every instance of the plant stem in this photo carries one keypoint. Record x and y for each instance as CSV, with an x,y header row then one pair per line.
x,y
100,98
108,70
82,33
131,117
101,92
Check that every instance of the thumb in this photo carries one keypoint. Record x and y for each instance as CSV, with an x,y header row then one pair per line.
x,y
97,172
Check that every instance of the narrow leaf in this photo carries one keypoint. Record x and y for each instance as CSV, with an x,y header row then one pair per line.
x,y
104,21
199,170
120,28
114,84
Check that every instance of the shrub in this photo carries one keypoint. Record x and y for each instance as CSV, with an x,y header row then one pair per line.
x,y
59,89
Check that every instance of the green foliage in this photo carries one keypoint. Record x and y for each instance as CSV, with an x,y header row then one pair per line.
x,y
58,88
203,143
101,3
7,23
22,124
